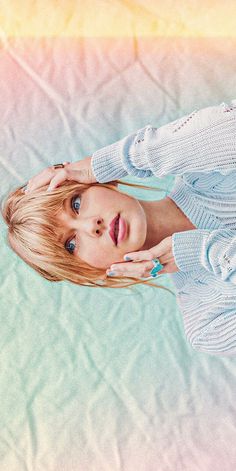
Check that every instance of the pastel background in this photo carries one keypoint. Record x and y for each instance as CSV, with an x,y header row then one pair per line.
x,y
103,380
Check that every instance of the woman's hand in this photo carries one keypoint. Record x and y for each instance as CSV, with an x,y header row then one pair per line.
x,y
142,264
80,171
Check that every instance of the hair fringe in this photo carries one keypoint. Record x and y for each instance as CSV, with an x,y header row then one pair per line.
x,y
29,236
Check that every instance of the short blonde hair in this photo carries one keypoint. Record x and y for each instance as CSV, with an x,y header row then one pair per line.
x,y
32,228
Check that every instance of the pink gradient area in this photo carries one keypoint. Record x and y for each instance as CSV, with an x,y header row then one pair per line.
x,y
93,380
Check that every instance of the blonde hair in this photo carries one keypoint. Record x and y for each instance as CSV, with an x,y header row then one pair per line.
x,y
32,228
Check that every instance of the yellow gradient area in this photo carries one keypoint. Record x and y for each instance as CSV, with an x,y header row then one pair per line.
x,y
118,18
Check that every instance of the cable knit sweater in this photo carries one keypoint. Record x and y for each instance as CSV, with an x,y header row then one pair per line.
x,y
200,150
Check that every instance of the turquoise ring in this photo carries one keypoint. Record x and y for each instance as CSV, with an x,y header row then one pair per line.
x,y
157,266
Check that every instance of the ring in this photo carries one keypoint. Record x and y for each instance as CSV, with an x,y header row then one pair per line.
x,y
157,266
58,166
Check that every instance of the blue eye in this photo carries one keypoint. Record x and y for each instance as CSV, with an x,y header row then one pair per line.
x,y
75,204
70,246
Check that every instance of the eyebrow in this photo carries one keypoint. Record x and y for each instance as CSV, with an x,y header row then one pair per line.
x,y
62,238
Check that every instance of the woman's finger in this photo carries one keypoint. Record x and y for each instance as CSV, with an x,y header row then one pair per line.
x,y
145,263
60,177
80,171
42,179
81,176
139,256
143,255
162,251
139,269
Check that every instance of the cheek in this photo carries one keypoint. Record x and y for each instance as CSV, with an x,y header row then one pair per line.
x,y
97,258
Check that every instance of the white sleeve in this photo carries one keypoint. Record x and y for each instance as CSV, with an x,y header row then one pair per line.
x,y
202,141
213,250
219,336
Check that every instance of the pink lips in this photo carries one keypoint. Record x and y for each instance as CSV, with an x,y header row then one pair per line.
x,y
112,228
122,229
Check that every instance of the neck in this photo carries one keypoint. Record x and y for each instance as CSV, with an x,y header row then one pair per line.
x,y
164,218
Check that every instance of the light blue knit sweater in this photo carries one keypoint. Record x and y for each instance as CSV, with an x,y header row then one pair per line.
x,y
200,149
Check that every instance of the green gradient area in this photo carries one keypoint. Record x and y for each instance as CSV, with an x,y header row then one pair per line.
x,y
96,379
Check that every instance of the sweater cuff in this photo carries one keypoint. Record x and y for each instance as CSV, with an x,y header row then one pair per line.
x,y
107,164
119,160
187,248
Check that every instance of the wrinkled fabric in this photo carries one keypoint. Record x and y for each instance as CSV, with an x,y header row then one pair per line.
x,y
95,380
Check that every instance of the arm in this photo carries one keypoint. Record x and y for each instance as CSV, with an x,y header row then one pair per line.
x,y
203,141
213,250
219,336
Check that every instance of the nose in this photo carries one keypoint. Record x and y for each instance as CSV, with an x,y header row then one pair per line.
x,y
92,226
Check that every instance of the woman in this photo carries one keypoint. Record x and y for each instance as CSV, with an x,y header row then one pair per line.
x,y
192,231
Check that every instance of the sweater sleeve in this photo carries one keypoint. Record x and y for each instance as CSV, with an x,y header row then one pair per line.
x,y
218,337
202,141
214,250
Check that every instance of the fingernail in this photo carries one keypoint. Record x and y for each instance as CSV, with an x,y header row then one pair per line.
x,y
49,189
127,258
111,273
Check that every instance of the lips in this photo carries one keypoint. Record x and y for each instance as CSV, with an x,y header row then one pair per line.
x,y
112,228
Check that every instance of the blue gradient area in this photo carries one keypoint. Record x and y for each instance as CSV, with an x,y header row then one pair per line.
x,y
96,379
